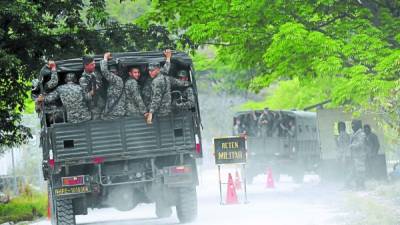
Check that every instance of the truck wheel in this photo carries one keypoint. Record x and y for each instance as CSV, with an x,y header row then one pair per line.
x,y
186,207
65,212
163,211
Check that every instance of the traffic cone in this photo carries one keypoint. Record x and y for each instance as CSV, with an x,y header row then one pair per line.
x,y
231,197
270,180
238,184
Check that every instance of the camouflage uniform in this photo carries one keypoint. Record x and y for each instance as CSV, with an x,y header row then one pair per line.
x,y
160,96
134,101
72,98
157,92
95,103
115,104
358,153
186,100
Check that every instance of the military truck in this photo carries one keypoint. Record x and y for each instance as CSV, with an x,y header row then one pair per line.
x,y
311,147
292,154
123,162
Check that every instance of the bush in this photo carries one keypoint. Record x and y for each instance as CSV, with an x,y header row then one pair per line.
x,y
26,207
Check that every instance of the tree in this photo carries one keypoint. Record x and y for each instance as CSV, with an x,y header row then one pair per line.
x,y
354,43
34,31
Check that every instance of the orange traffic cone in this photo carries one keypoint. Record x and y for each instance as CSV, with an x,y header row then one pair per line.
x,y
238,184
231,197
270,180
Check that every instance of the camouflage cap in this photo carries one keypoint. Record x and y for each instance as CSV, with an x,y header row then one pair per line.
x,y
70,77
182,73
154,65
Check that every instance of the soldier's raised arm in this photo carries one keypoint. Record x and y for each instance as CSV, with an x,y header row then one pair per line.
x,y
167,65
52,83
107,74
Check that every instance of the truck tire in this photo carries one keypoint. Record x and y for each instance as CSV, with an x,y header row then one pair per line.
x,y
65,212
186,207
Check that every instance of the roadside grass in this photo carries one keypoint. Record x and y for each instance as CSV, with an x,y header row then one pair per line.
x,y
378,206
26,207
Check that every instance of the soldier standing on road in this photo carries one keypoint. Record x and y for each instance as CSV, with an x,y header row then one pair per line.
x,y
358,154
187,100
134,101
157,89
71,96
115,103
342,143
92,85
372,148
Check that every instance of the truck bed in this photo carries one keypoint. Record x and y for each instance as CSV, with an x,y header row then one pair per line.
x,y
127,137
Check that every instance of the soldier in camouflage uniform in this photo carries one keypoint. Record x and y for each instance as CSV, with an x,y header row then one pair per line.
x,y
72,98
134,101
53,110
115,103
157,89
186,99
358,154
92,85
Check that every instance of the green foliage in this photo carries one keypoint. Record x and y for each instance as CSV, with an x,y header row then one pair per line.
x,y
126,11
26,207
353,44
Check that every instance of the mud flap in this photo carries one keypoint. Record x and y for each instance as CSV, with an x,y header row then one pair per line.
x,y
179,176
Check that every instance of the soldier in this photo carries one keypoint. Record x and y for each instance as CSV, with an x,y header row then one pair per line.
x,y
342,143
158,89
92,85
53,110
266,123
134,101
186,100
115,103
72,98
372,148
358,154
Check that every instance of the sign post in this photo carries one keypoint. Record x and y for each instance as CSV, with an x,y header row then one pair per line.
x,y
230,150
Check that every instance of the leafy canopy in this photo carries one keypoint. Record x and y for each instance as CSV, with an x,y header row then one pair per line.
x,y
352,44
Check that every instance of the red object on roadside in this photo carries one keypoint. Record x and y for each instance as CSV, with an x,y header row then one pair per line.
x,y
231,197
270,180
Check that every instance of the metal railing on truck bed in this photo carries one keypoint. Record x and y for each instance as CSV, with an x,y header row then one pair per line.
x,y
127,137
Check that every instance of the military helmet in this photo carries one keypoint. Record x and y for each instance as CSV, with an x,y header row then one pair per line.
x,y
182,73
70,77
154,65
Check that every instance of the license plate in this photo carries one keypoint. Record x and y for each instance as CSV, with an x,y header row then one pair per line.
x,y
71,190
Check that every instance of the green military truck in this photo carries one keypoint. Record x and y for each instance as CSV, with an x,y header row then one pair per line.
x,y
123,162
292,154
310,148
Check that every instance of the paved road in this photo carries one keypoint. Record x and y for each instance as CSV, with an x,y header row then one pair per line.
x,y
289,203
